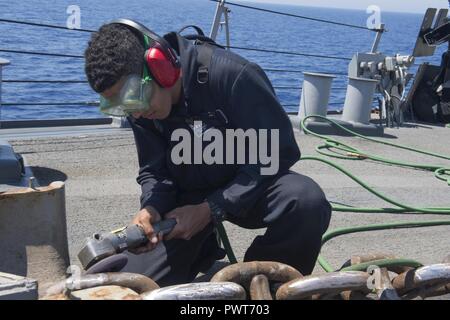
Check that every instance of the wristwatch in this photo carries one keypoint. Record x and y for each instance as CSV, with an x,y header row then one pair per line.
x,y
217,213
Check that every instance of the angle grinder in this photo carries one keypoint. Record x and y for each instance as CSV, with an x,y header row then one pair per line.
x,y
102,251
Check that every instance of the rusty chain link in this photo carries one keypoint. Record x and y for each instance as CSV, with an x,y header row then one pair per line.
x,y
267,280
255,276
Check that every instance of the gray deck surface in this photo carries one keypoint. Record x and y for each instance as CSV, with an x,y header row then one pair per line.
x,y
100,166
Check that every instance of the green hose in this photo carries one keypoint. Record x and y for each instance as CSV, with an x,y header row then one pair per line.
x,y
355,154
226,243
404,208
352,153
396,225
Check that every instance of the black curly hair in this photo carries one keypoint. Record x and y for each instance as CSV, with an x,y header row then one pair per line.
x,y
113,51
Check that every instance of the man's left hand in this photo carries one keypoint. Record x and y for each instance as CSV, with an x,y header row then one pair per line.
x,y
191,220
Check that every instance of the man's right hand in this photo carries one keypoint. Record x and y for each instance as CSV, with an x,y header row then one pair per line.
x,y
145,218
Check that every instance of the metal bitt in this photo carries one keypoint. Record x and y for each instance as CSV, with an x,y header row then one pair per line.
x,y
315,94
314,102
34,243
3,62
221,10
358,100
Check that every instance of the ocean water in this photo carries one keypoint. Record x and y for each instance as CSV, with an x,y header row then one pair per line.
x,y
248,28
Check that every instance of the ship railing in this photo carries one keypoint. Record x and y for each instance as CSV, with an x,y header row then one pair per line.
x,y
221,4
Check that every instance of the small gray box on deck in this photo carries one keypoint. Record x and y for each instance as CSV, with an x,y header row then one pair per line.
x,y
10,166
14,287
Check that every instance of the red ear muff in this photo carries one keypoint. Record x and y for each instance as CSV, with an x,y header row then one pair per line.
x,y
161,67
160,58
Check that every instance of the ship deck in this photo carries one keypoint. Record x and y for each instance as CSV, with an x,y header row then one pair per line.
x,y
99,166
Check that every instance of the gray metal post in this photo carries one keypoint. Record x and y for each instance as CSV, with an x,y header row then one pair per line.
x,y
3,62
358,100
378,38
227,29
315,94
221,10
217,18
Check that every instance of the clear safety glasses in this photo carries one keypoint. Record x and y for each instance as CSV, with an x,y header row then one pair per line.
x,y
134,96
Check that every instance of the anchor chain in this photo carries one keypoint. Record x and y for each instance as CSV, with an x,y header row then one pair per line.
x,y
268,280
255,276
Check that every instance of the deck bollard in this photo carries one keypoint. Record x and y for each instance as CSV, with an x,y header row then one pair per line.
x,y
315,94
33,233
358,100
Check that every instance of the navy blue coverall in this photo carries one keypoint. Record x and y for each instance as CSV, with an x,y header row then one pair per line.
x,y
291,206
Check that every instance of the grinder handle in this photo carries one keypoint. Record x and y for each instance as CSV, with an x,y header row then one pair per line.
x,y
164,226
136,237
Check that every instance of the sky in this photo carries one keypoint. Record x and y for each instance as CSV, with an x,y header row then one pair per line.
x,y
415,6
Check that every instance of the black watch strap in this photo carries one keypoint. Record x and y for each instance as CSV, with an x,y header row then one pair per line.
x,y
217,213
